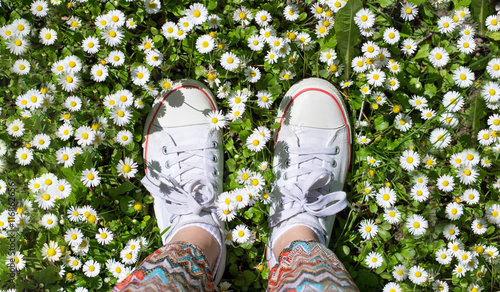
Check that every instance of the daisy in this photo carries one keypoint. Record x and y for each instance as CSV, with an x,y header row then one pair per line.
x,y
41,141
445,183
439,57
74,263
418,275
466,45
409,11
91,45
444,256
61,189
116,18
446,24
225,213
479,226
152,6
403,122
486,162
472,156
448,120
491,254
453,101
116,58
386,197
104,236
374,260
84,135
112,36
140,75
328,56
372,161
257,181
419,192
459,270
242,15
252,74
391,36
217,120
205,44
213,21
243,175
418,102
69,82
127,168
99,72
256,42
493,214
74,23
451,231
392,83
400,273
471,196
440,138
376,77
493,67
241,234
73,103
493,22
24,156
64,132
39,8
17,45
286,75
467,174
124,137
21,67
263,18
291,12
73,236
393,66
392,215
491,92
90,177
16,259
364,18
409,160
368,229
264,99
51,251
408,47
229,61
130,23
417,225
463,76
454,211
91,268
197,13
255,142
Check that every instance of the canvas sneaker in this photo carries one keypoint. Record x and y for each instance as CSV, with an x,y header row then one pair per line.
x,y
183,159
311,159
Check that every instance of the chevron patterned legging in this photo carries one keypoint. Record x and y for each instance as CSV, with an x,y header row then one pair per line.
x,y
302,266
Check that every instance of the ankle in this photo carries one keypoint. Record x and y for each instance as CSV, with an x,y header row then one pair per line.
x,y
203,239
299,232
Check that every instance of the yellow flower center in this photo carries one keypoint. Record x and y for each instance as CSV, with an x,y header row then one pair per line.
x,y
69,79
51,252
18,43
243,15
127,168
386,197
368,229
90,176
392,35
416,225
364,18
74,23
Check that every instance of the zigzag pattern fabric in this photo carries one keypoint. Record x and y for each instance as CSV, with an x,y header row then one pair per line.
x,y
309,266
176,266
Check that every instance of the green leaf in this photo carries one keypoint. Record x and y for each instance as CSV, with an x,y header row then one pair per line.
x,y
347,32
385,3
381,124
249,276
123,188
480,10
423,52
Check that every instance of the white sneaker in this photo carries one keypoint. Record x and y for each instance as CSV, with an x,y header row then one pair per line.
x,y
311,159
183,159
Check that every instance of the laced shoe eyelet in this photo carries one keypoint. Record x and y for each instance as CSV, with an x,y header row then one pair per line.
x,y
214,158
284,176
164,150
285,148
215,144
166,164
287,162
337,150
334,163
216,172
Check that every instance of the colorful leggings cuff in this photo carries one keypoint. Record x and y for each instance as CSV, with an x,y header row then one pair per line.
x,y
309,266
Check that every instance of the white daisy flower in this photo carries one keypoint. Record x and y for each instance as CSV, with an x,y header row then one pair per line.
x,y
493,22
467,174
39,8
130,23
73,236
252,74
368,229
69,82
454,211
408,47
17,45
41,141
392,215
408,11
91,268
226,214
242,15
263,18
491,91
374,260
466,45
451,231
140,75
112,36
463,76
391,36
443,256
205,44
291,12
479,226
417,225
453,101
440,138
217,120
116,58
90,177
400,272
104,236
493,67
445,183
409,160
127,167
418,275
493,214
91,45
124,137
439,57
51,251
24,156
364,18
84,135
49,221
197,13
403,122
386,197
74,23
241,234
392,83
446,24
472,156
255,142
16,259
419,192
152,6
230,61
65,131
21,67
73,103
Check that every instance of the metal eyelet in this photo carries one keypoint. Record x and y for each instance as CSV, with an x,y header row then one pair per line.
x,y
216,172
284,176
214,158
287,162
337,150
215,144
164,150
166,164
285,148
334,163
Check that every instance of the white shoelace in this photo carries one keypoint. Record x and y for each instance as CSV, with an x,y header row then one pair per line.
x,y
303,186
196,191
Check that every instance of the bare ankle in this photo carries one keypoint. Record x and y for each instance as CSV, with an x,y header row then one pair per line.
x,y
299,232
